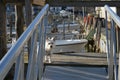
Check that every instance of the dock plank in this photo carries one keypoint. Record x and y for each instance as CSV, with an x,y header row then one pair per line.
x,y
79,59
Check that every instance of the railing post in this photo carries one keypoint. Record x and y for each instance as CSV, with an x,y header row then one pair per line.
x,y
115,47
111,52
44,26
114,50
36,55
110,66
40,57
42,50
30,71
19,68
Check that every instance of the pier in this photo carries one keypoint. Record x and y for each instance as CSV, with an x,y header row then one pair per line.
x,y
97,59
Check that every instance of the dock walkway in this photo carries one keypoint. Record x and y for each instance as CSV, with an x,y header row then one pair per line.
x,y
79,59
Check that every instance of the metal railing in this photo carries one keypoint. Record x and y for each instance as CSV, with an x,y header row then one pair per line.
x,y
113,69
36,32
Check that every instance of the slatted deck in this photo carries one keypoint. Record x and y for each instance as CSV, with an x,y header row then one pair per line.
x,y
79,59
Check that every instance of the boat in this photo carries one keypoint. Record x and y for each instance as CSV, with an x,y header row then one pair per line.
x,y
70,45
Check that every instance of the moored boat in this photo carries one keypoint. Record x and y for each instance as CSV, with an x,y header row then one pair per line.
x,y
73,45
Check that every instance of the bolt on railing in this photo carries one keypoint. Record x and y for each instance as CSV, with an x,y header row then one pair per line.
x,y
35,31
112,44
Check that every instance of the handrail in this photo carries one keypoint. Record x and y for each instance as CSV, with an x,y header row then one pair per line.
x,y
112,46
15,51
113,15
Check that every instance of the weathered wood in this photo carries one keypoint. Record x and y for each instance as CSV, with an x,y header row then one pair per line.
x,y
79,59
35,2
39,2
80,3
3,44
28,18
15,1
20,20
28,12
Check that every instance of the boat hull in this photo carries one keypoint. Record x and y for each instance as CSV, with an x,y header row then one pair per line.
x,y
76,45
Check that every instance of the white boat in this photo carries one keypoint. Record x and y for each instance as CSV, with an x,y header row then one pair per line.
x,y
75,45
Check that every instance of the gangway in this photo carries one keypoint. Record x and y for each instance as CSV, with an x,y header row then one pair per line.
x,y
37,32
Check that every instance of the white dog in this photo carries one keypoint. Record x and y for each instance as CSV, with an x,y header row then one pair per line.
x,y
49,44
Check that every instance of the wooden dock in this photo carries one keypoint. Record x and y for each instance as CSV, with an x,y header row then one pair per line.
x,y
79,59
